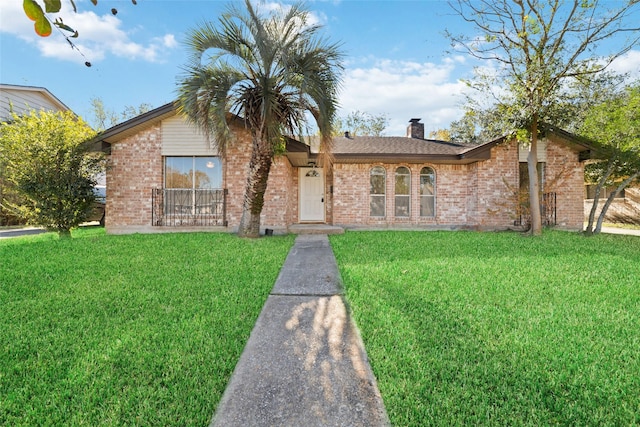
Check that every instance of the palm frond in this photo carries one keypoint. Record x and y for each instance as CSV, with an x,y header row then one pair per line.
x,y
270,70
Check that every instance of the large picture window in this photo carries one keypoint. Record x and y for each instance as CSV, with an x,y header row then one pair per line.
x,y
193,172
427,192
193,185
377,193
403,192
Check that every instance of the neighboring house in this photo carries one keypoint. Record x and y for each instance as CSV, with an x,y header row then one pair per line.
x,y
163,176
18,99
624,209
21,99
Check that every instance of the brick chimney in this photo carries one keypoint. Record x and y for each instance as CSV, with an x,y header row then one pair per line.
x,y
415,129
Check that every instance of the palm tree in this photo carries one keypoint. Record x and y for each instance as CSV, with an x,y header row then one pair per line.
x,y
270,70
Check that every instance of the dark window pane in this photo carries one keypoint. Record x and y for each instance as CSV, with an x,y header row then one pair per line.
x,y
377,206
427,206
402,206
402,184
426,185
377,184
427,181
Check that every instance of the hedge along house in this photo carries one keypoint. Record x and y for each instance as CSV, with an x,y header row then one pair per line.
x,y
164,176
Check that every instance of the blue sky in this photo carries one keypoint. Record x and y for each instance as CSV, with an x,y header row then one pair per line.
x,y
395,55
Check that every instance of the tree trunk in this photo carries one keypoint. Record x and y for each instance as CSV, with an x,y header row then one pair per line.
x,y
64,234
596,198
610,200
534,186
259,167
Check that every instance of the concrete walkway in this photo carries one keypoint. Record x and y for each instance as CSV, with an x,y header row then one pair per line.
x,y
627,231
304,364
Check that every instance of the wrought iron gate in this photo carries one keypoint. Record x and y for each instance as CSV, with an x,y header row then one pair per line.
x,y
175,207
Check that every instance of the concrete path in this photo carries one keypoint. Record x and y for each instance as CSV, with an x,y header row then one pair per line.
x,y
304,364
627,231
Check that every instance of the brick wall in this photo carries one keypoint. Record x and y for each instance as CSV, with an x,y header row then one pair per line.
x,y
280,205
351,196
452,193
496,188
236,166
281,199
565,177
479,195
135,168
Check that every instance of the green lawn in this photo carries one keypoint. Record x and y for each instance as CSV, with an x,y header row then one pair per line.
x,y
126,330
472,328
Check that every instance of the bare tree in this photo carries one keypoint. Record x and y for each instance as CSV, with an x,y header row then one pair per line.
x,y
538,45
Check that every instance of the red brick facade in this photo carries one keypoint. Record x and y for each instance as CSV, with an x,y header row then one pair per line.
x,y
565,177
478,195
467,195
135,169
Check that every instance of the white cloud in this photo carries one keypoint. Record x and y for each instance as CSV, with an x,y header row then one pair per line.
x,y
403,90
268,7
628,63
99,36
169,40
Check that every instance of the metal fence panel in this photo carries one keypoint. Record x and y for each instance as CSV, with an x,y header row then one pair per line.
x,y
175,207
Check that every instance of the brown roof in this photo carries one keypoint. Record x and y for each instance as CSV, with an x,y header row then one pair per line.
x,y
397,148
394,144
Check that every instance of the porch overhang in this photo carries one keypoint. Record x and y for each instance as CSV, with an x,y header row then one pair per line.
x,y
298,153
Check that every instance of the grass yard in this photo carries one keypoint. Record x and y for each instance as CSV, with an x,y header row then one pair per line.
x,y
466,328
126,330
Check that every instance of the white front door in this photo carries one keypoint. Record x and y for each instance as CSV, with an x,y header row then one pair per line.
x,y
311,183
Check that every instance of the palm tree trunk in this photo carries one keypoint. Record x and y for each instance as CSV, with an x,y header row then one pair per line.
x,y
259,167
534,186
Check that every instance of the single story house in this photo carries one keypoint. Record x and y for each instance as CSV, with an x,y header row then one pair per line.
x,y
164,176
624,209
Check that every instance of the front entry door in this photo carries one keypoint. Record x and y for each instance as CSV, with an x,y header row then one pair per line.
x,y
311,194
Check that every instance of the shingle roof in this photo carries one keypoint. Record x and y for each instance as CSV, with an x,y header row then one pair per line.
x,y
361,149
394,145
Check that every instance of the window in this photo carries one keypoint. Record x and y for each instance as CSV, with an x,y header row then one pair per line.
x,y
378,180
524,176
193,172
192,185
403,192
427,192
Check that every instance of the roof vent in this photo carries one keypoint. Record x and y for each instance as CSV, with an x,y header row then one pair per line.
x,y
415,129
346,134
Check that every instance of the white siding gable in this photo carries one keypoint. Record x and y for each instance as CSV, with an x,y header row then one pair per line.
x,y
180,138
21,100
523,151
